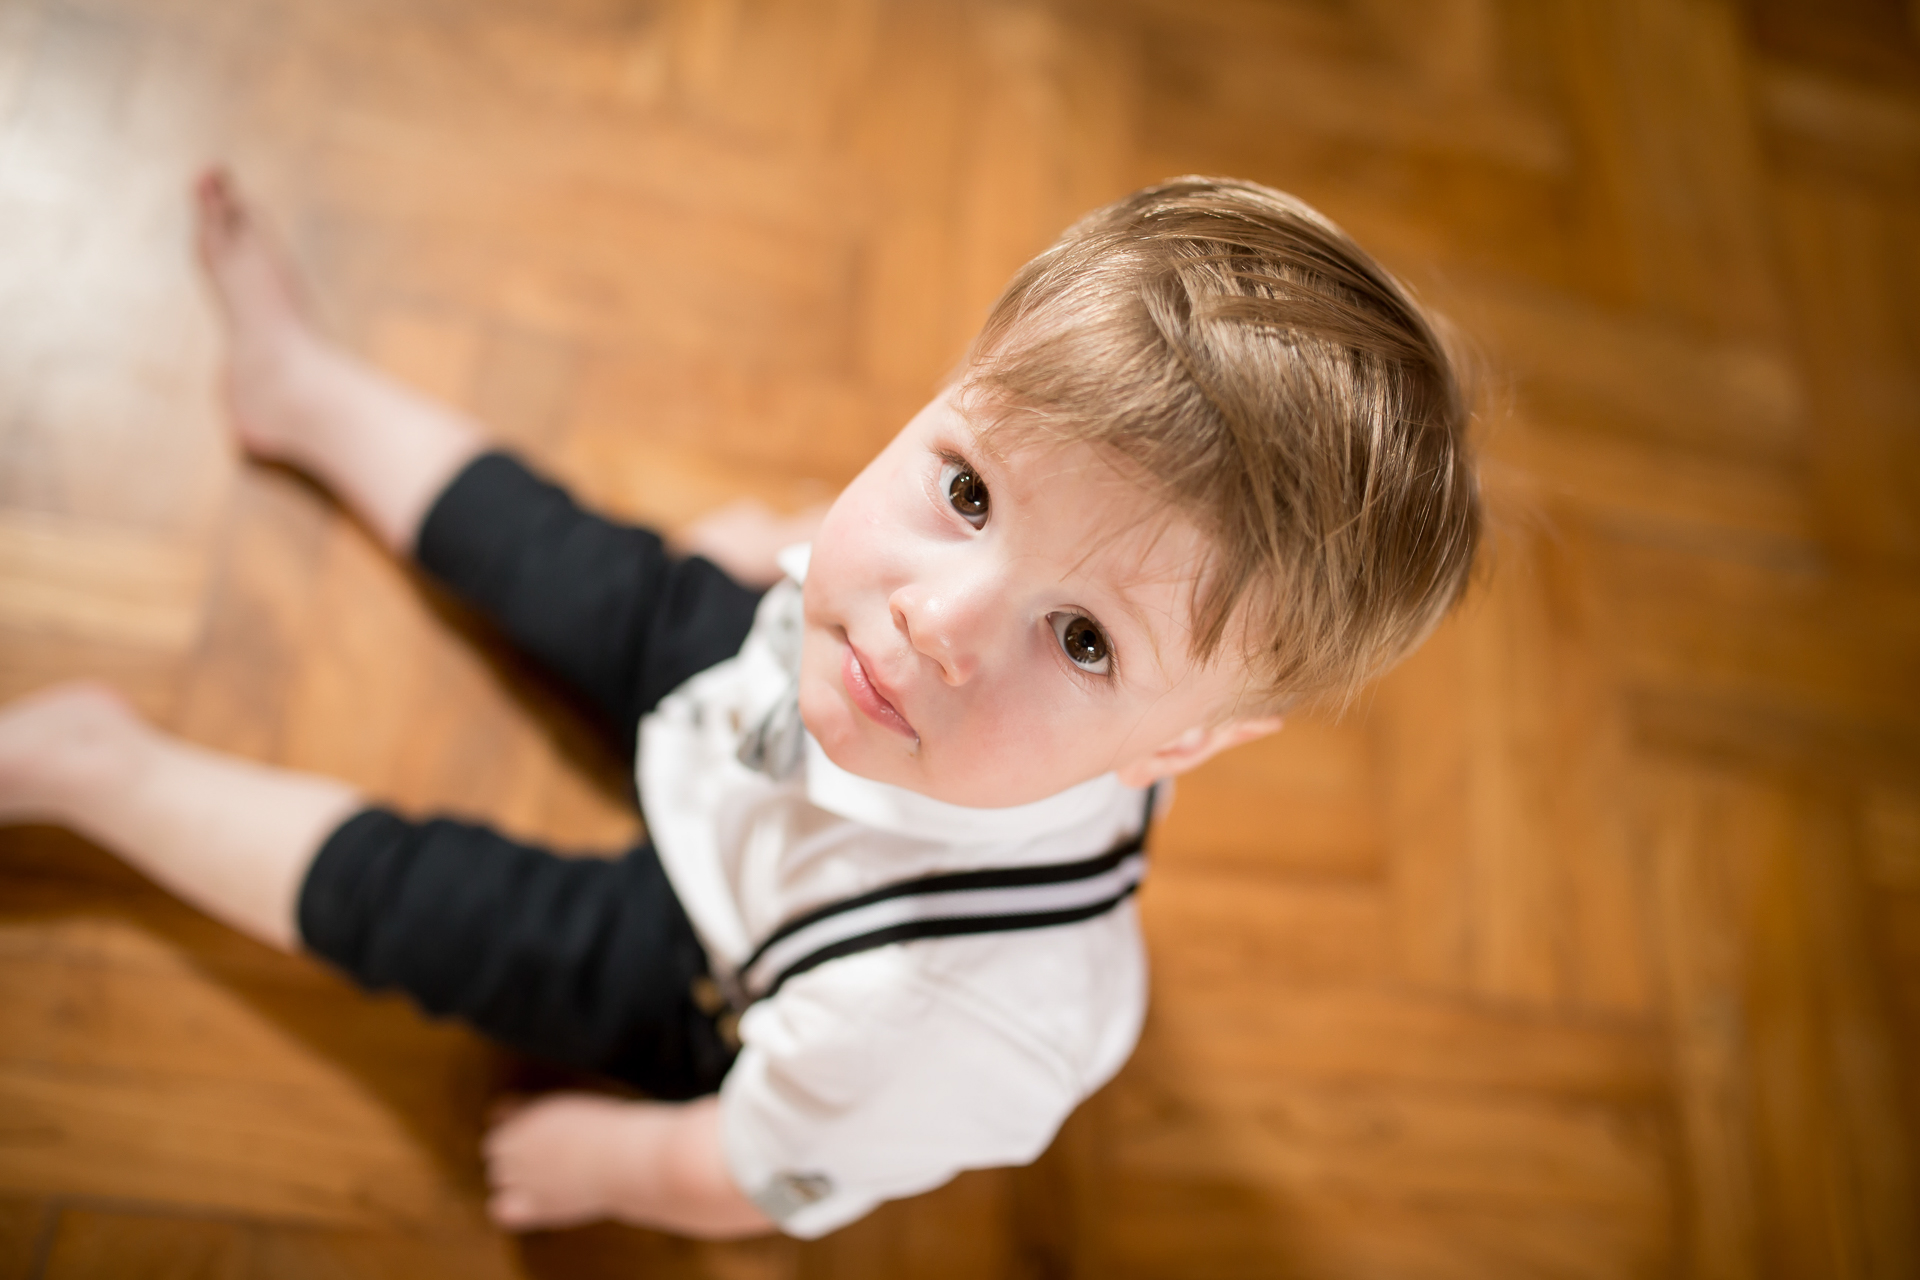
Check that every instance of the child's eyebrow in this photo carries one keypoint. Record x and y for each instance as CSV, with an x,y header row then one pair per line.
x,y
1143,619
1123,591
976,432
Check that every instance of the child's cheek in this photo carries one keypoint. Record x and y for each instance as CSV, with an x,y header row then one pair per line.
x,y
850,555
1026,740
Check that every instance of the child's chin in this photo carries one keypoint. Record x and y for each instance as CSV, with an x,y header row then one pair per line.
x,y
876,760
842,732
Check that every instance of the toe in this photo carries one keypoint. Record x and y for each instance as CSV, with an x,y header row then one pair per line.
x,y
222,215
505,1108
512,1210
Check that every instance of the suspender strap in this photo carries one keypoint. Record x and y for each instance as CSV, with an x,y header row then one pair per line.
x,y
944,906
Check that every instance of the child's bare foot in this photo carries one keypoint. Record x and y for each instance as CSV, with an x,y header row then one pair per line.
x,y
270,342
382,449
60,746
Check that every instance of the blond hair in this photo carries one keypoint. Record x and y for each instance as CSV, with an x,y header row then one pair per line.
x,y
1277,387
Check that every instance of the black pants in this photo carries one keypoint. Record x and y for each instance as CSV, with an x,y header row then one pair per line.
x,y
582,961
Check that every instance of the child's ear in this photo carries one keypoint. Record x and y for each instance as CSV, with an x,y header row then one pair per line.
x,y
1197,745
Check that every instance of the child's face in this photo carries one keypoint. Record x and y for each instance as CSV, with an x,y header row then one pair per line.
x,y
990,630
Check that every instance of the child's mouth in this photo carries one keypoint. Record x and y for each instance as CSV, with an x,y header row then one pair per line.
x,y
869,699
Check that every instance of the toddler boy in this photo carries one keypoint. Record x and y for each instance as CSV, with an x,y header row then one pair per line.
x,y
1205,460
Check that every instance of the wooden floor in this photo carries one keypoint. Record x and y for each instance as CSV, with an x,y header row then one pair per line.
x,y
1588,946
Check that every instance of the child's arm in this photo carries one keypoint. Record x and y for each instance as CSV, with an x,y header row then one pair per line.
x,y
744,537
575,1157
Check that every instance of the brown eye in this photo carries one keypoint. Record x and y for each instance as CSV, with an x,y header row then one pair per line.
x,y
1083,641
966,492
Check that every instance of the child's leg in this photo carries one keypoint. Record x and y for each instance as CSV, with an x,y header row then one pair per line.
x,y
236,839
586,961
384,450
599,604
231,837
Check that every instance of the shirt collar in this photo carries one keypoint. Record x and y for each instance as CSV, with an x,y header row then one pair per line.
x,y
793,560
908,813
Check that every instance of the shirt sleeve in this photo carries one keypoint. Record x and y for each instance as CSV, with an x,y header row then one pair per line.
x,y
872,1079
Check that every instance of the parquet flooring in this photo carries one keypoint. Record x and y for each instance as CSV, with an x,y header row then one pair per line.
x,y
1587,946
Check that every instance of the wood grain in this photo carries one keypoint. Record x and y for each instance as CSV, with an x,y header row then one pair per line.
x,y
1586,944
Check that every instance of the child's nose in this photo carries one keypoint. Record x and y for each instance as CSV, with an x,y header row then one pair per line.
x,y
944,623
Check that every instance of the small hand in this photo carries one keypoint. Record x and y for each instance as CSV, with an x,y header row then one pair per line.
x,y
744,537
575,1157
547,1161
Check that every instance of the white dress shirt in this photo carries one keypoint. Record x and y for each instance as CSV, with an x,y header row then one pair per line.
x,y
881,1074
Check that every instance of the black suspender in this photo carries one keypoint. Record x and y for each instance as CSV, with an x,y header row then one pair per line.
x,y
944,906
